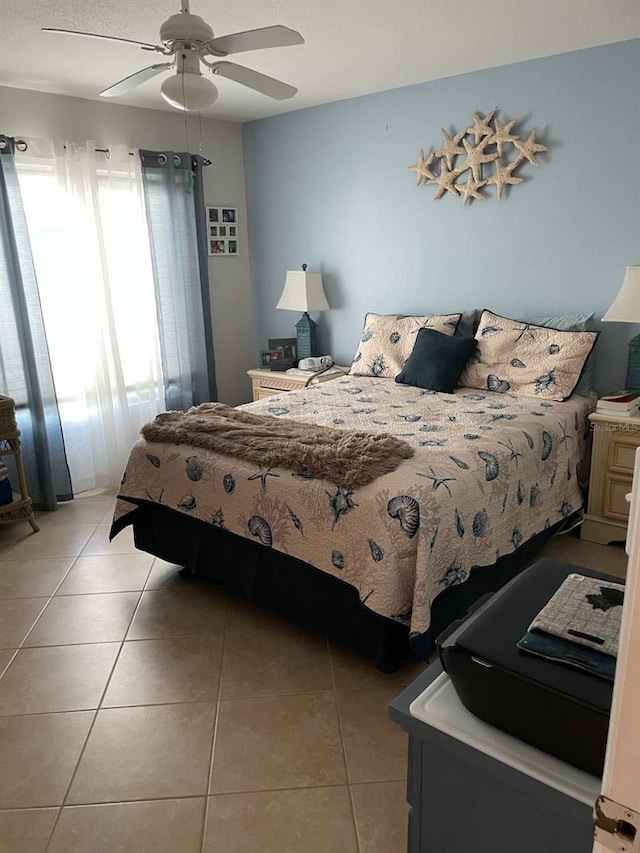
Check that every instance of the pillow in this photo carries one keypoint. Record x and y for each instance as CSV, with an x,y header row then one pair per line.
x,y
437,361
468,323
574,323
522,358
388,339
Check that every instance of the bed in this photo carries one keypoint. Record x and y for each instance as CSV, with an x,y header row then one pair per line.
x,y
388,565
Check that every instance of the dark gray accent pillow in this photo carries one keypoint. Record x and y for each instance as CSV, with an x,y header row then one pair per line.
x,y
437,361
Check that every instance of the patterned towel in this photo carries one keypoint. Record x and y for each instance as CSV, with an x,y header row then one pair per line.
x,y
586,611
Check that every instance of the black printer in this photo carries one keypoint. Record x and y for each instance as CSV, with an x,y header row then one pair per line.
x,y
559,709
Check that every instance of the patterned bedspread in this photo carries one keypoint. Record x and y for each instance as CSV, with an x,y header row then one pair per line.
x,y
490,471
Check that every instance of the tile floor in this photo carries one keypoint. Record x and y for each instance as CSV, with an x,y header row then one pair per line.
x,y
145,713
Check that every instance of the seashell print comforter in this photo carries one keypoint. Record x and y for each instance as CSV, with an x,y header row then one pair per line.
x,y
490,471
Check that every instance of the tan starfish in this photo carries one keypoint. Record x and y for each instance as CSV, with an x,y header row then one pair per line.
x,y
451,147
445,180
421,168
503,176
503,134
471,188
481,126
476,156
529,148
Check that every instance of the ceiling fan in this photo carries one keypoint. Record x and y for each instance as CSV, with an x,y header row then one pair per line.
x,y
189,41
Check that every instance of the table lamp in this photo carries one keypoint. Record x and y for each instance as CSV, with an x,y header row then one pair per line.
x,y
626,309
303,291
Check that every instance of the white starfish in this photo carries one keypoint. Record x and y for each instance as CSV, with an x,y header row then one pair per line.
x,y
481,126
451,147
529,148
476,156
503,134
421,168
445,180
471,188
503,176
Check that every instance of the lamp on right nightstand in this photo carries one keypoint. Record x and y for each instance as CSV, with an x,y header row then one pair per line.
x,y
626,309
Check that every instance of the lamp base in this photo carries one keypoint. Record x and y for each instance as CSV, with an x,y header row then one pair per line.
x,y
307,343
632,381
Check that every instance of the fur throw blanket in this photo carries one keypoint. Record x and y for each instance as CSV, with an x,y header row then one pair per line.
x,y
348,459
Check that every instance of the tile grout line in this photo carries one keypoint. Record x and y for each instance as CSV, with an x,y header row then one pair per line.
x,y
89,804
13,545
93,722
10,661
21,646
74,559
60,807
237,793
344,751
205,816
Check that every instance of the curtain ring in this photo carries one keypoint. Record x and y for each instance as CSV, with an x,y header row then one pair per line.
x,y
3,143
162,159
176,160
107,153
21,145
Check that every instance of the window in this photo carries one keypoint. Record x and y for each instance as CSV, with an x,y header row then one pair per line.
x,y
90,246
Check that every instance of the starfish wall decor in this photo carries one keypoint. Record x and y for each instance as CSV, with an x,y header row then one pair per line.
x,y
486,160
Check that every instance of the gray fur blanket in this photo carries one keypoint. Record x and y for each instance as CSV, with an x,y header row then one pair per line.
x,y
348,459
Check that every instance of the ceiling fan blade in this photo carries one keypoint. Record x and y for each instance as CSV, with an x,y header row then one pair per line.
x,y
256,40
133,80
142,44
254,80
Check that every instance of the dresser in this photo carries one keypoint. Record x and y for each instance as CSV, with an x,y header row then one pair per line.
x,y
615,441
266,383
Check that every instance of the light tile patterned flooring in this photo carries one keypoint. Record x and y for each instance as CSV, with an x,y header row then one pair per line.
x,y
145,713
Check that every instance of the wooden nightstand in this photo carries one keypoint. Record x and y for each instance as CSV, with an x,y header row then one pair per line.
x,y
266,382
615,441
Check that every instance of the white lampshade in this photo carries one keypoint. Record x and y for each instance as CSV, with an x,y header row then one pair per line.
x,y
626,306
188,91
303,291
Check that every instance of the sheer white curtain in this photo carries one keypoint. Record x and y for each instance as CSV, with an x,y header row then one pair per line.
x,y
86,220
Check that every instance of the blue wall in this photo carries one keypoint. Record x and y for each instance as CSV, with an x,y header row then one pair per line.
x,y
329,186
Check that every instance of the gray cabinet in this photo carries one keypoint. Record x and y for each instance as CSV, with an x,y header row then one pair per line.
x,y
473,788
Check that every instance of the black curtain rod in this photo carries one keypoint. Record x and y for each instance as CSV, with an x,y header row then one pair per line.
x,y
21,145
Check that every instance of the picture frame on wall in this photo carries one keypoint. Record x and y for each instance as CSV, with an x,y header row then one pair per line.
x,y
222,224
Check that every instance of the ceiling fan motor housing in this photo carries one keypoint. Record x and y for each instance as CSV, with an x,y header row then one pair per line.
x,y
185,27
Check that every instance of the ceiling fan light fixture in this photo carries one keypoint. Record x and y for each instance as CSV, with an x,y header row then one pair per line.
x,y
189,91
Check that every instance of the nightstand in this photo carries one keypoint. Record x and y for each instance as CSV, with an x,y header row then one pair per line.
x,y
266,382
615,441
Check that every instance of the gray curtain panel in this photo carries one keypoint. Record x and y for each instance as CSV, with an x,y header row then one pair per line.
x,y
25,369
174,199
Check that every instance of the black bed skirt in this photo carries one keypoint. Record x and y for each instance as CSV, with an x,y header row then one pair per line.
x,y
310,597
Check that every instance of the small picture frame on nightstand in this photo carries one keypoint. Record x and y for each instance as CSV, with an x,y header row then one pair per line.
x,y
267,357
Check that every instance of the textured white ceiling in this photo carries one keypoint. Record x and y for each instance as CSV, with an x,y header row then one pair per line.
x,y
353,47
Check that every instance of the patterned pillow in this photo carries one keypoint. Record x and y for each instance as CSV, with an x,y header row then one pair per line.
x,y
521,358
387,341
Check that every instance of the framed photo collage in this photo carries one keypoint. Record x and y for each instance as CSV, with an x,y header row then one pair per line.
x,y
222,230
